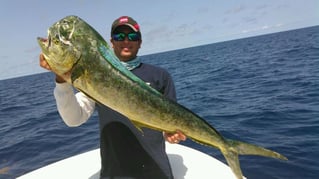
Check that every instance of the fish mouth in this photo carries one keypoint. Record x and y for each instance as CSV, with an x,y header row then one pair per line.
x,y
44,44
45,41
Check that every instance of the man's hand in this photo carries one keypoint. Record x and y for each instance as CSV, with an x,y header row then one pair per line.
x,y
44,64
174,138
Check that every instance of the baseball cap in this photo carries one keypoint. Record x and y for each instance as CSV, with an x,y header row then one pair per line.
x,y
128,21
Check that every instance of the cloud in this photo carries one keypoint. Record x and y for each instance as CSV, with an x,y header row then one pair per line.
x,y
262,28
261,7
235,10
4,57
203,10
250,20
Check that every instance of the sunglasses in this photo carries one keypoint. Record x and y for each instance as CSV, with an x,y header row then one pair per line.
x,y
132,36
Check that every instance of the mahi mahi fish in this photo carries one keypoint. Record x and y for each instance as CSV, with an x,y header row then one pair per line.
x,y
78,53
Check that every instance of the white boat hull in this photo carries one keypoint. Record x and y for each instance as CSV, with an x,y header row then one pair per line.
x,y
186,163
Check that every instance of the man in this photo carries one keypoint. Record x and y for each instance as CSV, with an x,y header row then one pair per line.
x,y
126,152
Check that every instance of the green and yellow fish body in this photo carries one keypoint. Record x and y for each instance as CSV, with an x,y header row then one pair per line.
x,y
73,47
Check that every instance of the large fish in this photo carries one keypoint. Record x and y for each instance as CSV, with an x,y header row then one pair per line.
x,y
75,51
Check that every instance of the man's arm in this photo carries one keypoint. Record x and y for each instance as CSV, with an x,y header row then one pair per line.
x,y
73,109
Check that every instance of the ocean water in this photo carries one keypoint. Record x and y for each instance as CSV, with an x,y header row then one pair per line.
x,y
263,90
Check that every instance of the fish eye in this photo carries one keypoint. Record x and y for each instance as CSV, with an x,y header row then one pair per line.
x,y
65,32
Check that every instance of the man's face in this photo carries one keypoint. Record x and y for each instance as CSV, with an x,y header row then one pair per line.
x,y
125,50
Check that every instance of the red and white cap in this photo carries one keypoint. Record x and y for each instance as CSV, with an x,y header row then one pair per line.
x,y
125,20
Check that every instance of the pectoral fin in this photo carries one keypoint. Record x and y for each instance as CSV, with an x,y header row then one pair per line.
x,y
138,127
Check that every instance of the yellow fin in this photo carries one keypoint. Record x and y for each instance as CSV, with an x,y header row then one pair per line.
x,y
138,126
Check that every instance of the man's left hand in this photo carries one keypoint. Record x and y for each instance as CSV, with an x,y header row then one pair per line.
x,y
174,138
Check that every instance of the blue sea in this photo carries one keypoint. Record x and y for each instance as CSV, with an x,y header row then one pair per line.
x,y
263,90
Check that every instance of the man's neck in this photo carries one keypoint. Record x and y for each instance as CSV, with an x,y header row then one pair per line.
x,y
132,64
127,59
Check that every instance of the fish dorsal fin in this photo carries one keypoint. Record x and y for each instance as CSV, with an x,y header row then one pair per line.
x,y
110,57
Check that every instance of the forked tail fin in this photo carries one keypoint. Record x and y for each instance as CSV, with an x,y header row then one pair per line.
x,y
236,147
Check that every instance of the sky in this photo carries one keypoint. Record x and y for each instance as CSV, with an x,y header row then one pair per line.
x,y
165,25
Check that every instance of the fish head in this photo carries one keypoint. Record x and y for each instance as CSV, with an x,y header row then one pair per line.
x,y
59,47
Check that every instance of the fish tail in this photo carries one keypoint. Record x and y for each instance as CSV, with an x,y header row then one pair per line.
x,y
231,157
236,148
